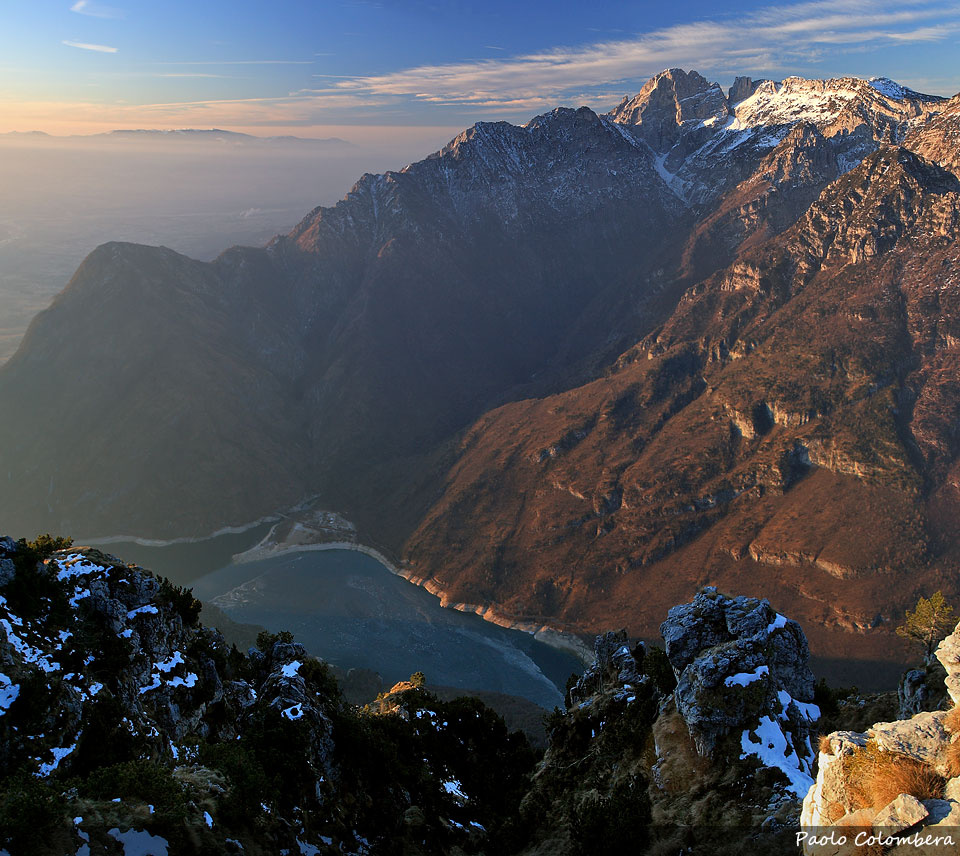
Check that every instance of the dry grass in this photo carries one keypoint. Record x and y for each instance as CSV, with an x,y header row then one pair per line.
x,y
875,778
953,759
825,744
834,812
681,768
952,720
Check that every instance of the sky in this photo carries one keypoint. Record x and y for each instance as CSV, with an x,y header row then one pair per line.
x,y
396,69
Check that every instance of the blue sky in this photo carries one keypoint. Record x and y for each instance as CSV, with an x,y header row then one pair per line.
x,y
355,67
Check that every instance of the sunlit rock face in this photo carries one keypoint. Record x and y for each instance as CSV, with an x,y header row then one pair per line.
x,y
851,790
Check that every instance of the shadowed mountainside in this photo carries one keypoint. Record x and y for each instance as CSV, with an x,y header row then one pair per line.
x,y
590,363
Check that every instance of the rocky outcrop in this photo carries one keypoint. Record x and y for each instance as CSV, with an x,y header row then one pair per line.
x,y
114,635
859,774
921,689
109,684
616,664
948,653
7,548
939,139
743,678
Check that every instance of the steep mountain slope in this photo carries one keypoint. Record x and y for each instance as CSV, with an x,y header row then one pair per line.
x,y
340,358
939,139
794,421
145,382
590,363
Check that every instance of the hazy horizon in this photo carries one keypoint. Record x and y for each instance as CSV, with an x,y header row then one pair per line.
x,y
63,197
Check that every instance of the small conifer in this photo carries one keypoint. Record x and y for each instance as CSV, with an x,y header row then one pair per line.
x,y
927,624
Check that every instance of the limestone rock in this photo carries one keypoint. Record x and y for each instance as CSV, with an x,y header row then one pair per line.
x,y
7,570
669,100
616,664
739,665
902,813
828,800
922,737
952,789
743,87
948,653
920,690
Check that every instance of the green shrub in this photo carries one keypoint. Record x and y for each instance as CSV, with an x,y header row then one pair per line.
x,y
30,809
657,666
266,640
320,678
182,601
145,781
827,698
34,590
613,823
42,548
250,785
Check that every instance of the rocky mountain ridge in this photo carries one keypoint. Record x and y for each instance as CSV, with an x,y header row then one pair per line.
x,y
704,138
600,360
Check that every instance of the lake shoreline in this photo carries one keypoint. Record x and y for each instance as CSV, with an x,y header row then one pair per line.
x,y
172,542
305,528
552,636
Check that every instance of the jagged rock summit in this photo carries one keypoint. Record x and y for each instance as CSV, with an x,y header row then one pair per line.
x,y
694,128
742,673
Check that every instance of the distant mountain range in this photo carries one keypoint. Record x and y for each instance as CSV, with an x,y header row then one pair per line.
x,y
573,369
186,134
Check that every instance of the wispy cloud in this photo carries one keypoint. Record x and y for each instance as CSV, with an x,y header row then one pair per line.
x,y
192,75
776,39
813,38
88,47
243,62
96,10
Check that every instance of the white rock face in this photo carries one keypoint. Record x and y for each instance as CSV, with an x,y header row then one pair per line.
x,y
828,800
948,653
900,814
830,806
922,737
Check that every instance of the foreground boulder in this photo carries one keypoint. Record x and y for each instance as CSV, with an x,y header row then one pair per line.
x,y
743,678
